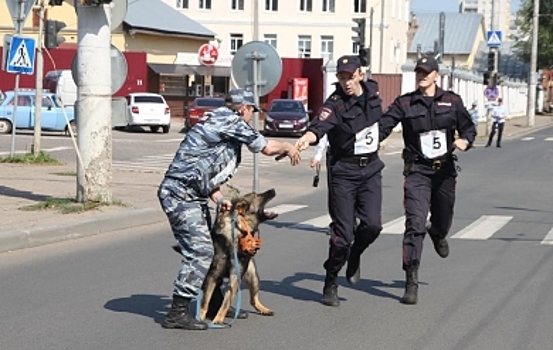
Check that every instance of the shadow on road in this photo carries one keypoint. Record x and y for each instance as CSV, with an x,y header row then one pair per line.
x,y
288,288
152,306
13,192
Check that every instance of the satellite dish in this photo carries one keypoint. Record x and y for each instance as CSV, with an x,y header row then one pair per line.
x,y
269,67
119,69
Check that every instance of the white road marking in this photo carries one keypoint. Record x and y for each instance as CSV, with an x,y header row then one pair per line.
x,y
320,222
548,139
394,227
548,238
529,138
483,228
53,149
286,208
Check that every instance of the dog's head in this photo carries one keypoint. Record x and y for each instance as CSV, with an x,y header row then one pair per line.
x,y
252,207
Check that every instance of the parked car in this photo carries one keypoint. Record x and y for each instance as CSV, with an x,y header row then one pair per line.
x,y
52,116
148,109
286,116
199,108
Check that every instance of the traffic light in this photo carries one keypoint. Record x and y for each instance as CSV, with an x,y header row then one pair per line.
x,y
94,2
51,38
493,60
487,78
364,56
359,29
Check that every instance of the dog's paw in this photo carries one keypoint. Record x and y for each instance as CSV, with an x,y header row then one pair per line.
x,y
218,320
267,312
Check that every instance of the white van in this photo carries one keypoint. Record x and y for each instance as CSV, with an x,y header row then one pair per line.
x,y
61,83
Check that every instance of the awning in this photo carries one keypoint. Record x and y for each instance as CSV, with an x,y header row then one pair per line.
x,y
184,69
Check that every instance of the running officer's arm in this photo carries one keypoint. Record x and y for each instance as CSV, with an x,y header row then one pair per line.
x,y
325,120
391,117
465,127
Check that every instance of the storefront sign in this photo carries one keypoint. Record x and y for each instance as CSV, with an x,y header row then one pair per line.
x,y
208,54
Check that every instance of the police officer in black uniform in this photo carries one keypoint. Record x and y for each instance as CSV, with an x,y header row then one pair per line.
x,y
350,118
430,117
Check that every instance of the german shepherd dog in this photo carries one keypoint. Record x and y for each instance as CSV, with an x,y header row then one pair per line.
x,y
247,213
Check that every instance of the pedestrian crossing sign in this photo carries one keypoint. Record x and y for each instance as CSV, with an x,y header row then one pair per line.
x,y
21,56
494,38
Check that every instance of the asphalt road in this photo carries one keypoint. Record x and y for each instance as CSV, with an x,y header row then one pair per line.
x,y
493,292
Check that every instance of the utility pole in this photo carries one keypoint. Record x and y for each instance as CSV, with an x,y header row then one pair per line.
x,y
255,64
94,172
371,23
39,73
382,14
531,105
19,29
255,20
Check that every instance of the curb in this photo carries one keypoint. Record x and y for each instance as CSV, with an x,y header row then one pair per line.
x,y
41,235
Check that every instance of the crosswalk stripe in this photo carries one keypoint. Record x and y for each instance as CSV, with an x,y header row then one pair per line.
x,y
529,138
548,238
286,208
316,223
483,228
394,227
549,139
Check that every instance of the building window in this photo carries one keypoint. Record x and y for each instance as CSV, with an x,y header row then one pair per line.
x,y
271,5
354,46
204,4
306,5
236,41
359,6
182,4
237,5
327,47
304,46
328,5
270,39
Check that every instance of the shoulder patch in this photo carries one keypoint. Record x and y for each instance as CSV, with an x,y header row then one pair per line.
x,y
325,113
335,97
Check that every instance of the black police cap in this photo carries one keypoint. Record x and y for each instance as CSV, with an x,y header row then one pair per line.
x,y
427,64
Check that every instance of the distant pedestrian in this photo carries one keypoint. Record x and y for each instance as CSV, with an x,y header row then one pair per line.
x,y
499,115
206,159
473,112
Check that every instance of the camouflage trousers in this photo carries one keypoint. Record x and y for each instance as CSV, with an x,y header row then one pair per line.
x,y
191,223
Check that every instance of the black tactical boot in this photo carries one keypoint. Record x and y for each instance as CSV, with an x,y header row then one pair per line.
x,y
330,291
440,246
179,316
411,287
353,271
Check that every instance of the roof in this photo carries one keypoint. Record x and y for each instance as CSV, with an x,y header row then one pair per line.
x,y
461,31
157,16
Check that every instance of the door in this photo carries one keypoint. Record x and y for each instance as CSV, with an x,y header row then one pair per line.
x,y
49,114
24,107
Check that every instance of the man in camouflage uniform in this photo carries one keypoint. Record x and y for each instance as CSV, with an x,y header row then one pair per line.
x,y
207,158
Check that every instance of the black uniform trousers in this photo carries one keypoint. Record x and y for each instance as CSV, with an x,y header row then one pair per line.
x,y
426,190
355,192
499,127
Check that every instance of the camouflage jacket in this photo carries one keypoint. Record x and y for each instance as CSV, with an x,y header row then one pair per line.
x,y
211,153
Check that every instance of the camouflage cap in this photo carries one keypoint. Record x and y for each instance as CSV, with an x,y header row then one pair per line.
x,y
242,97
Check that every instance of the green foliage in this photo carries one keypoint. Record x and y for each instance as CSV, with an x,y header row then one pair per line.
x,y
68,205
545,32
29,158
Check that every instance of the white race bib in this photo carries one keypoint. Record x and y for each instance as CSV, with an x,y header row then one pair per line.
x,y
366,140
433,143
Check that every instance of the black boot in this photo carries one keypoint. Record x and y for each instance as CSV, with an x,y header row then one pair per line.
x,y
330,291
353,271
440,246
179,316
411,287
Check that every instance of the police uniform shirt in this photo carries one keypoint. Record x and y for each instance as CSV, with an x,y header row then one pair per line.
x,y
350,122
211,152
499,111
429,123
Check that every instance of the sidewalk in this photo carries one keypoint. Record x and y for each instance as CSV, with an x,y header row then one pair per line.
x,y
24,185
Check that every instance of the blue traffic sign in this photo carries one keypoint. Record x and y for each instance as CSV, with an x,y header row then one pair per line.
x,y
21,57
491,93
494,38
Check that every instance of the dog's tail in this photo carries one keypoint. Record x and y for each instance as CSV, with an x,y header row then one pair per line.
x,y
177,248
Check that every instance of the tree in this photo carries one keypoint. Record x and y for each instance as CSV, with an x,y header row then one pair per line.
x,y
545,32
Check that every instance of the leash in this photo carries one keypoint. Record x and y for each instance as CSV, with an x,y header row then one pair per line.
x,y
238,301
